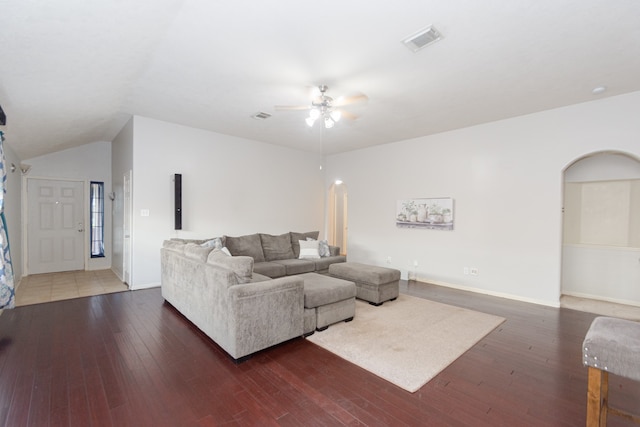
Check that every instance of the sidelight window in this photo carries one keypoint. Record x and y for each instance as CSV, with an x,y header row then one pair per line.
x,y
96,216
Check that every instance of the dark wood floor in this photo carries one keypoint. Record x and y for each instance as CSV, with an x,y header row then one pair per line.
x,y
129,359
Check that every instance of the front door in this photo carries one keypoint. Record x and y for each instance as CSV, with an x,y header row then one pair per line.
x,y
55,229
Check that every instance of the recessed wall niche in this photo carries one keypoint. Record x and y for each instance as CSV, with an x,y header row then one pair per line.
x,y
603,211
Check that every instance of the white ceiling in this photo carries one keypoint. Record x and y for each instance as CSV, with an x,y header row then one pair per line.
x,y
73,71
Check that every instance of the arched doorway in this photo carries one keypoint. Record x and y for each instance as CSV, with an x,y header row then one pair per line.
x,y
601,228
337,213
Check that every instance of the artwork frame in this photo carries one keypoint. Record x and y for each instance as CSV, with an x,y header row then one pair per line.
x,y
425,213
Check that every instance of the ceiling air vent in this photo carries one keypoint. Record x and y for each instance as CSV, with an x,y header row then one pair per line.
x,y
261,116
422,38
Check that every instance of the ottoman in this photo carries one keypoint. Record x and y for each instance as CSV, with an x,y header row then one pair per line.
x,y
373,284
610,346
327,300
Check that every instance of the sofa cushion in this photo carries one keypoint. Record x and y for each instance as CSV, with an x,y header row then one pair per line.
x,y
249,245
197,252
321,290
270,269
276,247
323,264
296,237
242,266
297,266
309,249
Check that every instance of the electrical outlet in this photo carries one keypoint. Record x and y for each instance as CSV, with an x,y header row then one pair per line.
x,y
466,270
474,271
388,260
415,262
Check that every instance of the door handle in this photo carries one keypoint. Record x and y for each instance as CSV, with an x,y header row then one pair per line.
x,y
80,228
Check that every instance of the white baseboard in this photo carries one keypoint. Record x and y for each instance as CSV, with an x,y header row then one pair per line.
x,y
491,293
145,286
601,298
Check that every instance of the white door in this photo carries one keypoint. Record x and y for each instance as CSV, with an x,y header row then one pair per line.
x,y
55,229
126,229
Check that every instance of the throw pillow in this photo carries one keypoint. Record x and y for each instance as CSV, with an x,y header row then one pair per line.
x,y
309,249
323,247
215,243
295,237
226,251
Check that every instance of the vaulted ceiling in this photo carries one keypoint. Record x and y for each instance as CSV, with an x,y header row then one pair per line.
x,y
73,71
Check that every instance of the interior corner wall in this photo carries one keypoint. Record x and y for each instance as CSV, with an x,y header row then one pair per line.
x,y
121,164
13,209
230,186
506,179
89,162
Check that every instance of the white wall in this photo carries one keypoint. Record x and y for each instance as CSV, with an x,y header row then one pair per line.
x,y
506,179
230,186
89,162
121,164
13,209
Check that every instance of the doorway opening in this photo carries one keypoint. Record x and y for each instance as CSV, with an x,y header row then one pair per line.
x,y
601,230
338,218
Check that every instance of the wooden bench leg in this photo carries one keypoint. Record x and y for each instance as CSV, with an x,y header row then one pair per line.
x,y
597,395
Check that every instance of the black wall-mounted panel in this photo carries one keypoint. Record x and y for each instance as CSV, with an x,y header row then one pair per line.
x,y
3,118
177,185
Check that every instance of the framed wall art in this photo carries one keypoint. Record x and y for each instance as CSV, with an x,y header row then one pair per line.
x,y
433,214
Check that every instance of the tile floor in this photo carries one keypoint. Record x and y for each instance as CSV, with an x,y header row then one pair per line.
x,y
39,288
602,308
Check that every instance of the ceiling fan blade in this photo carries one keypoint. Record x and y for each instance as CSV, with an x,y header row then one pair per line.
x,y
347,100
348,115
292,107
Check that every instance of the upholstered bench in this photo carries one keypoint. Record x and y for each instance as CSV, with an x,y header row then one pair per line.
x,y
610,346
327,300
373,284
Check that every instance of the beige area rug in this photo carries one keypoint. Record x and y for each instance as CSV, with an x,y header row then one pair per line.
x,y
407,341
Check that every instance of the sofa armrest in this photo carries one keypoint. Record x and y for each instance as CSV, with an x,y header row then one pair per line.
x,y
265,313
334,250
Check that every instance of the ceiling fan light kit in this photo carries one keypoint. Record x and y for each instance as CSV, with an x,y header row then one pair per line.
x,y
325,108
322,107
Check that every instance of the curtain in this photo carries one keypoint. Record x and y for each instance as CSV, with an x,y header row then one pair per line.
x,y
7,291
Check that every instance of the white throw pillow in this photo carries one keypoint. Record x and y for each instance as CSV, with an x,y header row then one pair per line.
x,y
309,249
323,247
225,250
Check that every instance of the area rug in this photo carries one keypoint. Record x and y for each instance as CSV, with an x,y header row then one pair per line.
x,y
407,341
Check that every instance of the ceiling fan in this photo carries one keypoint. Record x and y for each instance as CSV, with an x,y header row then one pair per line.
x,y
326,108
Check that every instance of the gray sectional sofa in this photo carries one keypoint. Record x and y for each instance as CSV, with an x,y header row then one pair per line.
x,y
278,256
251,300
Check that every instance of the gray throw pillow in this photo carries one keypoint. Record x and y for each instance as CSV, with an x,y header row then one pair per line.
x,y
215,243
323,248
